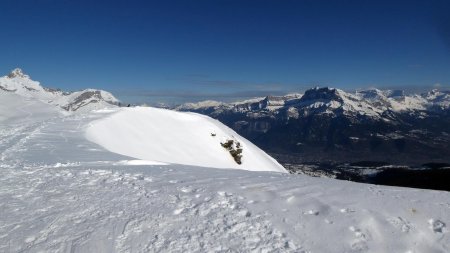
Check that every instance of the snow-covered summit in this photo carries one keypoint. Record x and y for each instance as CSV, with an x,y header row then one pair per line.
x,y
375,102
17,72
21,84
269,103
333,101
438,98
199,105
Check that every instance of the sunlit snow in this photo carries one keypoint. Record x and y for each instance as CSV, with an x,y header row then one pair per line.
x,y
60,192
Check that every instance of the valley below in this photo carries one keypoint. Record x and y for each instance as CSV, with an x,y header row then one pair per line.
x,y
371,136
427,176
96,177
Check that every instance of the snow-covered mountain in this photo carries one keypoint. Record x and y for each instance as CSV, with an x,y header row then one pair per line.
x,y
368,124
438,99
370,102
21,84
147,180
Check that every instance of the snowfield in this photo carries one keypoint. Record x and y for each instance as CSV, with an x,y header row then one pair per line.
x,y
176,137
149,180
15,108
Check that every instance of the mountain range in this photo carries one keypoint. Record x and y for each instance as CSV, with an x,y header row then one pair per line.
x,y
320,125
327,124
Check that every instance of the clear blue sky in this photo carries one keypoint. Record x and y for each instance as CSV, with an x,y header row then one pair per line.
x,y
192,49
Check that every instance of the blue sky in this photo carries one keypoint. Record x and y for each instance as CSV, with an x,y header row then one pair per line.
x,y
176,51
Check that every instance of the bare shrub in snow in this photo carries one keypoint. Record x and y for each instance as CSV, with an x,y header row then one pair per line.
x,y
235,150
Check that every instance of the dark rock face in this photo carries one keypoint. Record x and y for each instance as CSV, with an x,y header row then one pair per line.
x,y
330,125
83,99
316,94
17,73
5,89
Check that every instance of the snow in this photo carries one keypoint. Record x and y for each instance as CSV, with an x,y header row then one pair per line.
x,y
248,101
373,103
199,105
438,98
60,192
86,100
123,209
176,137
22,85
15,108
138,162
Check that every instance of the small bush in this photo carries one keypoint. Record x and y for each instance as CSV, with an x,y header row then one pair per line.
x,y
236,153
228,144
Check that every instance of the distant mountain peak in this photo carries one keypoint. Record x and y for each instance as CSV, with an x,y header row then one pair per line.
x,y
21,84
325,93
18,72
372,104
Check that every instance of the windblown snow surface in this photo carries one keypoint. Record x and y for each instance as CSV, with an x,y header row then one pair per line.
x,y
60,192
176,137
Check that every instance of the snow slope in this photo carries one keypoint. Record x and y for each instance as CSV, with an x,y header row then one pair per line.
x,y
17,108
107,208
176,137
60,192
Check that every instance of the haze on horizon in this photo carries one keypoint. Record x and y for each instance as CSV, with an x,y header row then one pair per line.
x,y
177,51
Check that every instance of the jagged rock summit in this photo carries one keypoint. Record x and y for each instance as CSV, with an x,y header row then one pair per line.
x,y
18,72
21,84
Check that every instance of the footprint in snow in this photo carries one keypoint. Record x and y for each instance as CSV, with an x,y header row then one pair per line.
x,y
244,213
224,194
400,223
290,199
358,233
327,221
30,239
360,239
311,212
186,189
346,210
437,226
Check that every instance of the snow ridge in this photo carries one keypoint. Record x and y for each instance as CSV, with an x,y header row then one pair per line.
x,y
176,137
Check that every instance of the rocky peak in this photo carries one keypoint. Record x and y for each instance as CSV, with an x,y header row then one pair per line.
x,y
273,100
17,72
321,94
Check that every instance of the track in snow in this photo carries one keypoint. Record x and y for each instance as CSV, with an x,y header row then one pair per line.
x,y
62,193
